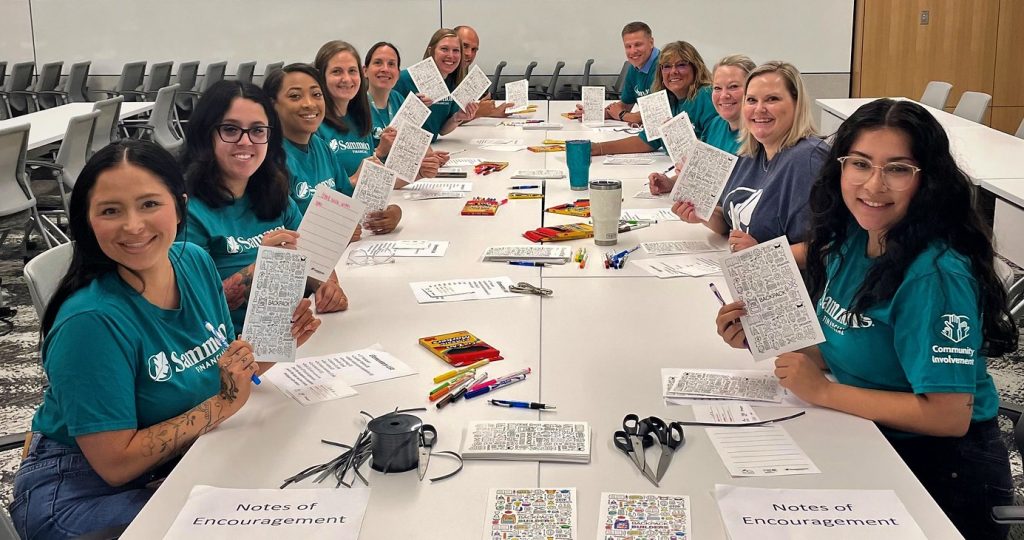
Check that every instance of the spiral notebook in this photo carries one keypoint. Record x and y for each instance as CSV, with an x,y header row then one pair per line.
x,y
527,440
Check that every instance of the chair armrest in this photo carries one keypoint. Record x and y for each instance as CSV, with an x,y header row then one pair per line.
x,y
143,127
46,164
132,93
189,93
12,441
1008,515
51,93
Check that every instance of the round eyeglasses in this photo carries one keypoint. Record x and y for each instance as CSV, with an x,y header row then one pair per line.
x,y
363,257
895,176
231,133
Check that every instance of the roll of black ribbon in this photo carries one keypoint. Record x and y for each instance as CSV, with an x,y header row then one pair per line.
x,y
394,442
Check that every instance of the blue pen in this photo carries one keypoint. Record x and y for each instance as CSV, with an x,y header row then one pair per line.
x,y
528,263
524,187
500,384
721,300
520,404
224,343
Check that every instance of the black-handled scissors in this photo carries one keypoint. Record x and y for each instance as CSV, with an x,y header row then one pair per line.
x,y
624,442
670,437
428,436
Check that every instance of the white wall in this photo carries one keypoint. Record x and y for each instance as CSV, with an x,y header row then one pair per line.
x,y
816,35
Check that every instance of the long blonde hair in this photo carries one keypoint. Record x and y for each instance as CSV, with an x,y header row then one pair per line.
x,y
441,33
682,51
803,123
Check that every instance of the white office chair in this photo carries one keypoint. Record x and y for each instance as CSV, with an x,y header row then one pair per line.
x,y
17,203
936,94
105,131
44,272
71,158
972,106
161,124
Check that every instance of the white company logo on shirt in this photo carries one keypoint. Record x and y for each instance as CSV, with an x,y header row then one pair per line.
x,y
239,244
304,191
839,318
345,146
742,213
204,355
955,327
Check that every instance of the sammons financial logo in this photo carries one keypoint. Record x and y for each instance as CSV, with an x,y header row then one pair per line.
x,y
162,366
955,327
159,367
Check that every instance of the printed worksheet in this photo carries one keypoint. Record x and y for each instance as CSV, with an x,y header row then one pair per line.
x,y
531,514
518,92
529,252
645,193
654,111
405,248
593,105
527,440
463,162
471,88
618,160
428,79
648,214
703,178
647,516
679,137
725,413
375,184
412,111
308,386
322,378
747,385
680,266
411,145
760,451
277,287
459,290
326,228
439,185
668,381
537,174
780,316
677,247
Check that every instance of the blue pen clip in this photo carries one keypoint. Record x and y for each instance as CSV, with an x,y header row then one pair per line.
x,y
224,344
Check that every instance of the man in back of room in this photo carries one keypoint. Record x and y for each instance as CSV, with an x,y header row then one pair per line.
x,y
642,55
470,46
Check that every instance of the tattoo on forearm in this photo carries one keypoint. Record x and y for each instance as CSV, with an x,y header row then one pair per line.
x,y
170,438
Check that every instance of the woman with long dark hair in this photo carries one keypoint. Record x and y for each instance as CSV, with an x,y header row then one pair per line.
x,y
900,267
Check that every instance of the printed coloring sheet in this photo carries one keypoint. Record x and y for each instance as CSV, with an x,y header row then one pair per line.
x,y
277,287
647,516
593,105
412,111
679,137
518,93
780,316
471,88
375,184
654,111
703,178
407,153
529,514
428,80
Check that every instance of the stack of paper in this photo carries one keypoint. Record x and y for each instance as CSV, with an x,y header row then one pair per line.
x,y
745,385
537,253
528,441
537,174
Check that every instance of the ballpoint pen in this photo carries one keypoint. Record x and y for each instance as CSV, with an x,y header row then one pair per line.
x,y
524,187
721,301
520,404
479,391
529,263
224,343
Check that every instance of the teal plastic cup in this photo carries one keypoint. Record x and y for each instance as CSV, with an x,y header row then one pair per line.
x,y
577,157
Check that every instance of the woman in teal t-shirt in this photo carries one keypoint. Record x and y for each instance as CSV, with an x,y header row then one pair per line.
x,y
900,267
235,171
445,49
134,375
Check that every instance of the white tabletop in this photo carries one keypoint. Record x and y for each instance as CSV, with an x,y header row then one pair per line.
x,y
49,125
596,348
1008,189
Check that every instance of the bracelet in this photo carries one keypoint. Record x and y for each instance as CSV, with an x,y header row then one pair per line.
x,y
622,114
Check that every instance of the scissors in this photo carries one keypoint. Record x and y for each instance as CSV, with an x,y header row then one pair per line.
x,y
428,436
525,288
670,438
632,440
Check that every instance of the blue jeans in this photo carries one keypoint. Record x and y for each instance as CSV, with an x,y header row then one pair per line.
x,y
57,494
966,476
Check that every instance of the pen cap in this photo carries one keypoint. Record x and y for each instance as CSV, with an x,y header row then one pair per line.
x,y
605,209
394,442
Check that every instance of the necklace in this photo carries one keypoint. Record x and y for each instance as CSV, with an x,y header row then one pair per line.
x,y
766,164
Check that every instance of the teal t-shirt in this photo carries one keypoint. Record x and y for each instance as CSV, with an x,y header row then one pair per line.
x,y
924,340
638,82
348,148
311,167
440,112
700,109
721,136
116,361
232,234
382,117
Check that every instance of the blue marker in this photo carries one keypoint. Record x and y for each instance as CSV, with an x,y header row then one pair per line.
x,y
224,343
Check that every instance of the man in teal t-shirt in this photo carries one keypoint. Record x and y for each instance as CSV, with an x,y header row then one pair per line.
x,y
232,235
312,166
152,364
349,147
923,340
642,55
440,111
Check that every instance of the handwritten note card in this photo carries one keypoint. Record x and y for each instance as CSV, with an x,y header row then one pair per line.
x,y
780,316
375,184
654,111
277,287
326,228
679,137
471,88
593,105
703,178
411,145
428,79
412,111
518,93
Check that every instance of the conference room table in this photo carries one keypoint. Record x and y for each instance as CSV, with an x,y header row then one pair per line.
x,y
596,348
49,125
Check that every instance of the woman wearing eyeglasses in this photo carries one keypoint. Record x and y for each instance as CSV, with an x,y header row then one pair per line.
x,y
780,156
235,171
900,266
683,73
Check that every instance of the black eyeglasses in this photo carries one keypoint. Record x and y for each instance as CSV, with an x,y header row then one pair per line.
x,y
231,133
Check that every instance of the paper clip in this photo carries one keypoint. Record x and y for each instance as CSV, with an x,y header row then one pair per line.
x,y
525,288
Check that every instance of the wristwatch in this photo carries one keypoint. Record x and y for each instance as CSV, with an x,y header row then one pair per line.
x,y
622,114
